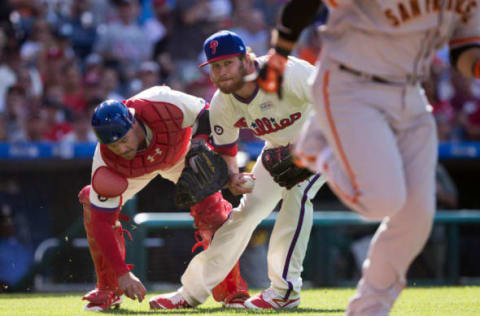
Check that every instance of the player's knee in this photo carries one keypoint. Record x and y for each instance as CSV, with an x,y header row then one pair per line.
x,y
383,204
84,195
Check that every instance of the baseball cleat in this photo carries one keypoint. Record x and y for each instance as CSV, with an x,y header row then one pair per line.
x,y
172,300
101,300
371,301
268,299
237,300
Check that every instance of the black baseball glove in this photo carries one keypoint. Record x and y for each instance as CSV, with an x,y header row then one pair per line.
x,y
205,173
279,163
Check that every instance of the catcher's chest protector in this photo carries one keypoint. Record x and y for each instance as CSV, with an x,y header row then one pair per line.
x,y
169,142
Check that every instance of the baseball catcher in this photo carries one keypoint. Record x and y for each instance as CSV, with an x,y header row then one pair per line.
x,y
148,135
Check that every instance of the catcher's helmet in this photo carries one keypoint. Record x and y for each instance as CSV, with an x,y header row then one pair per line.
x,y
111,120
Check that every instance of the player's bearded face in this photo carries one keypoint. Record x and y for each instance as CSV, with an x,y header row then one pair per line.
x,y
228,74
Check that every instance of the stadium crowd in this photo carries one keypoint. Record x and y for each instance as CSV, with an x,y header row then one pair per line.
x,y
61,58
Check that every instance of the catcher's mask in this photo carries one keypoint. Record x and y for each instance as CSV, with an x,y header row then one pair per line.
x,y
111,120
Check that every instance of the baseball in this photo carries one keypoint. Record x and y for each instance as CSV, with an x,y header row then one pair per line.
x,y
249,183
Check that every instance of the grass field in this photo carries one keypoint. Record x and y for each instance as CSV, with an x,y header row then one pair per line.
x,y
438,301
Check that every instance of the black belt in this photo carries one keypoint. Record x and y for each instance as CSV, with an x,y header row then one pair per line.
x,y
364,75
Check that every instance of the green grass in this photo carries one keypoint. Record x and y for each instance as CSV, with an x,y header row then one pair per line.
x,y
438,301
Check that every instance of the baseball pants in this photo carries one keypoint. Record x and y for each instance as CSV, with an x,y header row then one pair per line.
x,y
288,241
383,144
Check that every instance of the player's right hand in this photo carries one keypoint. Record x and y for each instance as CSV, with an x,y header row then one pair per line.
x,y
236,183
132,286
270,76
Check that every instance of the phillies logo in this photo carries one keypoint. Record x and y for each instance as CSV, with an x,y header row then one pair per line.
x,y
213,46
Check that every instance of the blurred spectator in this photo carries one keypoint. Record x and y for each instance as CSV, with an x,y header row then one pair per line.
x,y
56,126
72,84
3,127
203,88
16,113
443,110
160,28
111,83
93,63
124,41
270,9
40,40
251,27
148,76
472,120
29,78
16,259
35,127
10,63
93,88
80,27
81,129
194,21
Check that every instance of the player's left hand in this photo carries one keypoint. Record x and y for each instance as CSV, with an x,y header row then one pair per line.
x,y
270,76
132,286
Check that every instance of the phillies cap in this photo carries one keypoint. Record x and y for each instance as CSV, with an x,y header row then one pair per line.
x,y
221,45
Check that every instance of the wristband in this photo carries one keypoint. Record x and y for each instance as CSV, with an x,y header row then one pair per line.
x,y
282,51
476,69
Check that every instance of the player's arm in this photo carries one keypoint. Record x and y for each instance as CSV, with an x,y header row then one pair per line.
x,y
294,17
103,202
465,46
225,135
468,62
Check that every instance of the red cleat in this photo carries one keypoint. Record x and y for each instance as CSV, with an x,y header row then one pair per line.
x,y
101,300
268,299
172,300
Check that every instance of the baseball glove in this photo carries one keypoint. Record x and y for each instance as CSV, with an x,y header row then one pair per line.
x,y
205,173
279,163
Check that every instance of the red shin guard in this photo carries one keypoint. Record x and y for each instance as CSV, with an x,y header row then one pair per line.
x,y
209,215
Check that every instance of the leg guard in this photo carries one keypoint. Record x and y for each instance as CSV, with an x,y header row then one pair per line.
x,y
209,215
106,278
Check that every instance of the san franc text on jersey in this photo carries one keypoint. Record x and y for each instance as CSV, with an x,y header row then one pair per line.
x,y
407,10
265,125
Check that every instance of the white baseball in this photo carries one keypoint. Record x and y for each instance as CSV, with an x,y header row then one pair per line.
x,y
249,183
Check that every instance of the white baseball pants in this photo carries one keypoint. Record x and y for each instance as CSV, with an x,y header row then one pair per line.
x,y
288,241
384,151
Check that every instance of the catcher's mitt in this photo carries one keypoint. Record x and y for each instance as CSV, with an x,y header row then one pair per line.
x,y
279,163
205,173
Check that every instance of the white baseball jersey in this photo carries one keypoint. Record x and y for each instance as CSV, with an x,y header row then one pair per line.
x,y
276,121
359,33
190,106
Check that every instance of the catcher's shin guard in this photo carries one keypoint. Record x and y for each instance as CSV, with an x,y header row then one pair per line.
x,y
209,215
106,277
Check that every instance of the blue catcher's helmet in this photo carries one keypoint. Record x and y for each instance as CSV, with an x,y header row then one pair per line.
x,y
111,120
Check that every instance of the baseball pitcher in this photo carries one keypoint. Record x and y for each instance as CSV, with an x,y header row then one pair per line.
x,y
374,136
148,135
238,104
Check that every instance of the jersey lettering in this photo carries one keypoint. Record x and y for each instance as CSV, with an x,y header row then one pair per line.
x,y
270,125
407,10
